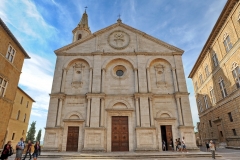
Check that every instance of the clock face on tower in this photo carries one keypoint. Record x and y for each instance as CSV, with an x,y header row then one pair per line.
x,y
118,39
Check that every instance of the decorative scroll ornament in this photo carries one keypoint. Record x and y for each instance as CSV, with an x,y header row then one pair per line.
x,y
78,73
160,77
118,39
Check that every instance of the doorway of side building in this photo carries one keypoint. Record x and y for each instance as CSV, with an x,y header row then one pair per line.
x,y
72,138
220,133
166,132
120,139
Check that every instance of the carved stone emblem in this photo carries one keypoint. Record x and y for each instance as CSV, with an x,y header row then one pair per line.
x,y
78,73
159,70
118,39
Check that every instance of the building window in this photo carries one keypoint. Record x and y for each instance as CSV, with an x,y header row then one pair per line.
x,y
206,101
230,117
201,79
227,43
221,133
212,96
25,116
3,86
222,87
234,132
21,100
23,132
236,74
13,135
210,123
27,104
10,53
200,106
79,36
206,71
215,59
18,115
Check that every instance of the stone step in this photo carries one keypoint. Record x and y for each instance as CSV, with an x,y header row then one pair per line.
x,y
74,156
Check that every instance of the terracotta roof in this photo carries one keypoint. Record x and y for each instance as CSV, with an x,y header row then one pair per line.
x,y
26,94
216,29
13,38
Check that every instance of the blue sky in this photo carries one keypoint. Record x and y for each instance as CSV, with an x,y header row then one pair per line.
x,y
44,26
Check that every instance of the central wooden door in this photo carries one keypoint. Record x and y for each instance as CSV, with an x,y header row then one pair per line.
x,y
120,141
72,138
166,132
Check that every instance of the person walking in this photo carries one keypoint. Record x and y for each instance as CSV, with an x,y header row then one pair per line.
x,y
37,150
28,151
184,148
7,151
171,145
176,144
207,145
19,149
164,145
212,149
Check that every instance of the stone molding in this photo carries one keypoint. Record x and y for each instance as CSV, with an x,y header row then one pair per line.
x,y
74,120
118,53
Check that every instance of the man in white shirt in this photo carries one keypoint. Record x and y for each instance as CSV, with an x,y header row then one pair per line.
x,y
19,149
184,145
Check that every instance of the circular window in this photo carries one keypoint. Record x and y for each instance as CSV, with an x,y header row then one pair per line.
x,y
119,73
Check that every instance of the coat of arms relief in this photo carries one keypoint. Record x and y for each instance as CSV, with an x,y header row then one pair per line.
x,y
118,39
78,73
160,76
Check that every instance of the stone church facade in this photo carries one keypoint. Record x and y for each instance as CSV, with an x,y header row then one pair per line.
x,y
117,89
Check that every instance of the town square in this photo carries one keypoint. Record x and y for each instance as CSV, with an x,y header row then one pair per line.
x,y
120,79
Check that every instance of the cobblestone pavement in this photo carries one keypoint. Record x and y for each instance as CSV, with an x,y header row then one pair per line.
x,y
227,154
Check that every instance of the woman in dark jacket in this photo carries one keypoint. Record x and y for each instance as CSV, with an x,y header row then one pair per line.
x,y
7,151
37,150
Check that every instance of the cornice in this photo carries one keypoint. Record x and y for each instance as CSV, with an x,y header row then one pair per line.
x,y
118,53
227,10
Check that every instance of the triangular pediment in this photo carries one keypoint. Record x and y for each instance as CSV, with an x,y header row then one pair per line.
x,y
119,38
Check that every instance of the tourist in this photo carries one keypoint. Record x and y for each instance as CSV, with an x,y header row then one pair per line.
x,y
176,144
184,145
207,146
28,151
171,145
37,150
179,145
7,151
164,145
212,149
19,149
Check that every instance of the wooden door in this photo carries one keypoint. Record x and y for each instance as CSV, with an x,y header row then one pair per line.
x,y
120,141
72,138
169,137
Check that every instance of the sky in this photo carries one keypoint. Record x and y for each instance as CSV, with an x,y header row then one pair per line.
x,y
44,26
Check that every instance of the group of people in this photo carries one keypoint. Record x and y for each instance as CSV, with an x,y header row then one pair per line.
x,y
180,145
33,150
212,147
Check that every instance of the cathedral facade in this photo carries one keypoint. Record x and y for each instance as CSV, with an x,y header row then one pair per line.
x,y
117,89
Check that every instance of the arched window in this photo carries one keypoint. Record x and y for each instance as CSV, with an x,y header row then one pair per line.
x,y
214,58
227,43
18,115
200,79
79,36
206,101
222,87
212,95
236,74
200,105
25,116
206,70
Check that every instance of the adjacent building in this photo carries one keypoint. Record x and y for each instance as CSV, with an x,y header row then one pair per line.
x,y
18,123
216,79
12,56
118,89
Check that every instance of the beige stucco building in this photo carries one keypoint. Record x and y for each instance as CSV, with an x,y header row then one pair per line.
x,y
12,56
216,78
117,89
18,123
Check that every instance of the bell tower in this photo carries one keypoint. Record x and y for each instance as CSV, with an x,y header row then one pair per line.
x,y
82,30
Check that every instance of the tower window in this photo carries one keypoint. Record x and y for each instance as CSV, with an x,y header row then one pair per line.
x,y
234,132
227,43
230,117
13,135
79,36
210,123
222,88
21,100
